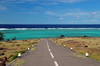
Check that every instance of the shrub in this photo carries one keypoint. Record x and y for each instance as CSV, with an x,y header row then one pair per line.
x,y
16,55
8,39
2,36
14,38
85,36
61,36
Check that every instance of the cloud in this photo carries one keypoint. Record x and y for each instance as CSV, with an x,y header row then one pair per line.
x,y
44,2
94,13
76,14
31,12
61,18
2,8
70,1
50,3
80,16
65,1
50,13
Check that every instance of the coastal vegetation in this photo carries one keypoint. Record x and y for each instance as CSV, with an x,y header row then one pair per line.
x,y
82,45
62,36
2,36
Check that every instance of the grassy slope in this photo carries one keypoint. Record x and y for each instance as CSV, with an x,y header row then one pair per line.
x,y
13,47
79,45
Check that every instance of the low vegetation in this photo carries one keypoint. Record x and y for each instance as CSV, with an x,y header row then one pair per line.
x,y
82,45
10,49
2,36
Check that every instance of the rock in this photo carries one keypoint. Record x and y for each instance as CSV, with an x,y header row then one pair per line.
x,y
4,51
10,56
17,45
1,48
1,54
4,58
2,63
86,46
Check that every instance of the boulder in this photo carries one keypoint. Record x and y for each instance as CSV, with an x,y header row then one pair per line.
x,y
86,46
3,61
1,48
2,54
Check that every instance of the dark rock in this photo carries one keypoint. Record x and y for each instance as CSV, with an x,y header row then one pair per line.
x,y
4,51
1,48
17,45
4,58
10,56
86,46
1,53
2,63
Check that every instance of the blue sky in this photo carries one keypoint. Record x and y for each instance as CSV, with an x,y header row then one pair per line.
x,y
49,11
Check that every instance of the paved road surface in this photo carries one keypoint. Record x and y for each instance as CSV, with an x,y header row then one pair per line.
x,y
50,54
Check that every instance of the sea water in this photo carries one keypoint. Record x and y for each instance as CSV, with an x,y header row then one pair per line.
x,y
49,33
22,32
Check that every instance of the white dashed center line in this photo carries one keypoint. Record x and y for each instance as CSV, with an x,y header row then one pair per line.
x,y
55,62
51,55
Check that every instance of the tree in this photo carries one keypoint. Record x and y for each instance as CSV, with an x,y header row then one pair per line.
x,y
62,36
14,38
2,36
85,36
8,39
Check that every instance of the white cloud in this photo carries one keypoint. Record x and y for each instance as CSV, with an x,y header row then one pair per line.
x,y
94,13
76,14
61,18
31,12
50,13
50,3
66,1
71,1
46,2
2,8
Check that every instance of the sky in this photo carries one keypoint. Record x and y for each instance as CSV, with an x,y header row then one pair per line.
x,y
49,11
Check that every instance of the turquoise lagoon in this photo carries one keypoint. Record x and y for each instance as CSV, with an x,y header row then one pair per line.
x,y
23,34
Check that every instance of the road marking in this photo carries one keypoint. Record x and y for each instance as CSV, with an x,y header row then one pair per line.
x,y
47,44
56,64
51,55
49,50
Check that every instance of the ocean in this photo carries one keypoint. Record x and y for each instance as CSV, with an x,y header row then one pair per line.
x,y
30,31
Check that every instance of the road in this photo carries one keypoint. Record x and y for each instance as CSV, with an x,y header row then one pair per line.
x,y
48,53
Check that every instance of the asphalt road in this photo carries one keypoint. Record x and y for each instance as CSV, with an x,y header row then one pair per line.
x,y
48,53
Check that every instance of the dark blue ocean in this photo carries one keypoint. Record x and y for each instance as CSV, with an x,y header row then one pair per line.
x,y
31,31
49,26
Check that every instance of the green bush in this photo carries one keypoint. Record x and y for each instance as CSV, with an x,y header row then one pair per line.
x,y
16,55
85,36
61,36
2,36
14,38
